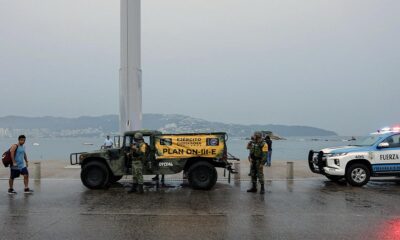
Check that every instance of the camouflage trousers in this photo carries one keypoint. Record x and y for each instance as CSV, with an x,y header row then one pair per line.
x,y
137,172
257,171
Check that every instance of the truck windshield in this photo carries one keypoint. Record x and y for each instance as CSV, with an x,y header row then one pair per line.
x,y
129,140
367,141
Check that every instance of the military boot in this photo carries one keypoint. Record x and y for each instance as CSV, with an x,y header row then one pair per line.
x,y
140,190
133,188
253,189
262,191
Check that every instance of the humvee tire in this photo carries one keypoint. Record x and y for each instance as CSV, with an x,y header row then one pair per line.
x,y
202,176
114,179
334,178
95,175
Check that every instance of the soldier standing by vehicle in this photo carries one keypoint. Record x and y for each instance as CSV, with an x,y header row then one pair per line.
x,y
258,153
250,146
138,155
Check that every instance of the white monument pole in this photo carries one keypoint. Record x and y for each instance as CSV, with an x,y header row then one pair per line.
x,y
130,72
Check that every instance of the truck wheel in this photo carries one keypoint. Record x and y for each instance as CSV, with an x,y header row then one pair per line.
x,y
202,175
334,178
95,175
358,175
114,179
397,180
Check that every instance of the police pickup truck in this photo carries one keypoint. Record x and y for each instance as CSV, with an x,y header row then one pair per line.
x,y
372,156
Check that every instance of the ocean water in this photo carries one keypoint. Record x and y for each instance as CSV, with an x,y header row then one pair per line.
x,y
294,148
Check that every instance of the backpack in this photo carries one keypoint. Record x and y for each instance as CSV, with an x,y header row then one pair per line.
x,y
6,157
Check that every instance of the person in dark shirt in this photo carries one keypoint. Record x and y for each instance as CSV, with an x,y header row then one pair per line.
x,y
269,154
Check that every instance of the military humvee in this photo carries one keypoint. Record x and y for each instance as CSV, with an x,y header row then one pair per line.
x,y
197,155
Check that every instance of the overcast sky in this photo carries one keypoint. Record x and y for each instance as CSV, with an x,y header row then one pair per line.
x,y
330,64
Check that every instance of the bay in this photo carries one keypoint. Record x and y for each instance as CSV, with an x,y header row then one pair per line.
x,y
294,148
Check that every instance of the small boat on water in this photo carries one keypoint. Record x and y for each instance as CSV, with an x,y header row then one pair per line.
x,y
36,144
88,144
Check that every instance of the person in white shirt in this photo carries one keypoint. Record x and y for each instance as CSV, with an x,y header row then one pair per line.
x,y
108,143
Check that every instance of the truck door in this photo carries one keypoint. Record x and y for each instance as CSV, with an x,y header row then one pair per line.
x,y
128,140
387,159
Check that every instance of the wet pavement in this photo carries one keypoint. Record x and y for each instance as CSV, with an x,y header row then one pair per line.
x,y
309,209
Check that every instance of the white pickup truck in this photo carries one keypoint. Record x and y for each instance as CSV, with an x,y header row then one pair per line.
x,y
372,156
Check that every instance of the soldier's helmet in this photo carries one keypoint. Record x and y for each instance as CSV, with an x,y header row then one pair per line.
x,y
257,135
138,136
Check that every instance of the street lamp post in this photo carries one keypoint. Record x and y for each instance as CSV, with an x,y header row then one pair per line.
x,y
130,73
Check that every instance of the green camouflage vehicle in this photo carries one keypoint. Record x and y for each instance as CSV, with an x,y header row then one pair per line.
x,y
197,155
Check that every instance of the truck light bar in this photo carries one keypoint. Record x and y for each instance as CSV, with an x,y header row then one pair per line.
x,y
388,130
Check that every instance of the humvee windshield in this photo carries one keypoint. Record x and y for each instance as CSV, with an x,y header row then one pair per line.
x,y
129,140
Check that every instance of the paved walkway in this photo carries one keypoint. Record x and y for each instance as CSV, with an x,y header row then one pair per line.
x,y
308,209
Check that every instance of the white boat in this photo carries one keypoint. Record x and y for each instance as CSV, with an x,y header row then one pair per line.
x,y
88,144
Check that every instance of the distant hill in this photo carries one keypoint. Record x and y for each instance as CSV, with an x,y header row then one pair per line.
x,y
12,126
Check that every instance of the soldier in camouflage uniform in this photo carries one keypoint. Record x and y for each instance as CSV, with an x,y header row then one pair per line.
x,y
258,152
138,155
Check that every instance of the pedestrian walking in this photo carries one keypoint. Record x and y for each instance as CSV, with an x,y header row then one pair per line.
x,y
19,166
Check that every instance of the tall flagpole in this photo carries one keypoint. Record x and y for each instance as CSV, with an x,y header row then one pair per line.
x,y
130,73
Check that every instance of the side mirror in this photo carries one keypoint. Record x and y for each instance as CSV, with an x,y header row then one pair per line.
x,y
383,145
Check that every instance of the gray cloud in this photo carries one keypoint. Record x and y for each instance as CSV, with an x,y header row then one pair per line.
x,y
330,64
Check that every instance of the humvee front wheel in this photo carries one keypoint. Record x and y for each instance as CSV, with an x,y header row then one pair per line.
x,y
95,175
202,176
114,179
